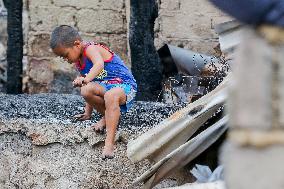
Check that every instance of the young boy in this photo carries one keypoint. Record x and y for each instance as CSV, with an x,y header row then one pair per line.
x,y
106,83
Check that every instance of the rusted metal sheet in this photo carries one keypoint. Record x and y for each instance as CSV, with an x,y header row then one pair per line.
x,y
229,35
187,89
178,60
185,71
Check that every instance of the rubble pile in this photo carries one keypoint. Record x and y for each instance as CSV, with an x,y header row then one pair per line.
x,y
41,146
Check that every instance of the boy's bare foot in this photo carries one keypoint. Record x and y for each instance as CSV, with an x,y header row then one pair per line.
x,y
99,127
108,152
82,117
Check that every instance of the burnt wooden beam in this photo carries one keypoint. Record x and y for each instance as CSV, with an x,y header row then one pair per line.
x,y
145,61
15,46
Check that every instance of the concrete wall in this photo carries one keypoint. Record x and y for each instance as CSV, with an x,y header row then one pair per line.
x,y
188,24
102,21
183,23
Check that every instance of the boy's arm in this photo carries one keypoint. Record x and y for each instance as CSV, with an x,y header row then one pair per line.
x,y
94,55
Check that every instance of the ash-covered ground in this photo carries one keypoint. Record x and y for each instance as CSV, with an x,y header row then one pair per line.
x,y
41,146
58,110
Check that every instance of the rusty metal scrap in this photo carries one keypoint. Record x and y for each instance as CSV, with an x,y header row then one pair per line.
x,y
178,60
186,89
185,70
229,35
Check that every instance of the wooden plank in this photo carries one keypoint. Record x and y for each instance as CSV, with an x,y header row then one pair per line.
x,y
183,154
210,185
250,103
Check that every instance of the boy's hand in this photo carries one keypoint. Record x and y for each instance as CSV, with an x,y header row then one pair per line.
x,y
85,81
78,82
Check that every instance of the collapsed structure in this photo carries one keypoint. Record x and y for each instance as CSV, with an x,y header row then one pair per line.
x,y
171,145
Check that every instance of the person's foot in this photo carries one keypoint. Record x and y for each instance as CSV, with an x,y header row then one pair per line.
x,y
99,127
82,117
108,152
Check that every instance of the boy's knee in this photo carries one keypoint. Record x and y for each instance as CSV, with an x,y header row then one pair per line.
x,y
86,91
111,100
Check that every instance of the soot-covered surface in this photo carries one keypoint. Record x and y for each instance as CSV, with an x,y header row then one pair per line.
x,y
56,110
40,146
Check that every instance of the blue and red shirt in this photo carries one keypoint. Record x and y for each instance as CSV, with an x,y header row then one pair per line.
x,y
114,72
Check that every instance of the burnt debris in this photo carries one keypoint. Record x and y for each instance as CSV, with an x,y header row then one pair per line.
x,y
188,75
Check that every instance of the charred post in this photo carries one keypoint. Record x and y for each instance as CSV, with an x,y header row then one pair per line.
x,y
15,46
144,57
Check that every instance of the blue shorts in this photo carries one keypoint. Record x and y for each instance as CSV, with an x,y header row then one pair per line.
x,y
128,90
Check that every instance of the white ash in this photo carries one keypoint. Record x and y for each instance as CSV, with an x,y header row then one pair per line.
x,y
40,146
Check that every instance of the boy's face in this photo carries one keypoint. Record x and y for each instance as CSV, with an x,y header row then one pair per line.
x,y
69,54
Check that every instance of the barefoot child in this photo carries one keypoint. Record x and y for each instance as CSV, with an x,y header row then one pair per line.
x,y
106,83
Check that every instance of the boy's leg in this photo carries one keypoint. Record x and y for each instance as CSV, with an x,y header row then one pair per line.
x,y
93,93
113,99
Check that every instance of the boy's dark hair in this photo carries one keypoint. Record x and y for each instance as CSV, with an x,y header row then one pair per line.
x,y
64,35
